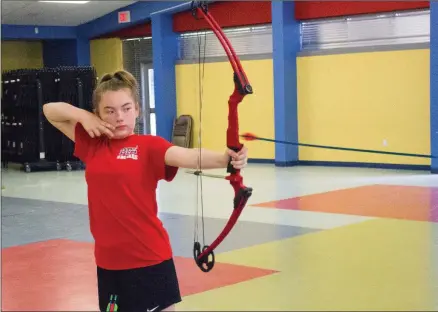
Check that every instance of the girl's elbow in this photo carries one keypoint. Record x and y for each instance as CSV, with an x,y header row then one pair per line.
x,y
46,109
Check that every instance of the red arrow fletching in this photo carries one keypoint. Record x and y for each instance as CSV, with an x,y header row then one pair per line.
x,y
249,136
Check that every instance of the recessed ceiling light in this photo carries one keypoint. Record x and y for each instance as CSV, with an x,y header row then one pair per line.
x,y
62,1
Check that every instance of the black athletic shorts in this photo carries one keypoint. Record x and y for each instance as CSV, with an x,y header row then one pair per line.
x,y
152,288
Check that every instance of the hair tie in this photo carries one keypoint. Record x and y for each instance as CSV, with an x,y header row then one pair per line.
x,y
118,76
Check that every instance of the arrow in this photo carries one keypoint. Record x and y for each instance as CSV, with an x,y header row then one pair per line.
x,y
252,137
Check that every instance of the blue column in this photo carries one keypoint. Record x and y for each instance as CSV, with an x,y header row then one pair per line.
x,y
286,45
66,52
59,52
164,48
434,84
82,51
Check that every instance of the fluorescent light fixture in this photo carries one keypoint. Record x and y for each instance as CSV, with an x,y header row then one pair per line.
x,y
67,1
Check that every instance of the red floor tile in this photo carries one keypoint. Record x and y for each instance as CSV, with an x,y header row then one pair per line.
x,y
60,275
387,201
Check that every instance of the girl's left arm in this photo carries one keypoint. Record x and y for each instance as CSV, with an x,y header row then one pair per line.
x,y
181,157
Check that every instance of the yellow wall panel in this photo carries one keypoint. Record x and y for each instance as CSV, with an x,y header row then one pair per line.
x,y
106,55
374,100
256,111
21,54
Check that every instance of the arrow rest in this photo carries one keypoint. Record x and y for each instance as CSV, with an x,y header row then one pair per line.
x,y
203,263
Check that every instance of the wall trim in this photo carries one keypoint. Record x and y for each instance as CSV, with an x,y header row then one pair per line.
x,y
218,59
382,48
29,32
355,165
264,56
261,161
342,164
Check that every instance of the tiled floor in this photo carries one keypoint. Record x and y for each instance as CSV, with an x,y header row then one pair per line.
x,y
310,239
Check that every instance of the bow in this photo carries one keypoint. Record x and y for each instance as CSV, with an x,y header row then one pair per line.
x,y
204,257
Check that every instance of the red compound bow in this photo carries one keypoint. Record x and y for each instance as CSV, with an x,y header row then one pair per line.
x,y
204,257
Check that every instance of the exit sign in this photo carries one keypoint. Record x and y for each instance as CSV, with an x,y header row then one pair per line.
x,y
124,17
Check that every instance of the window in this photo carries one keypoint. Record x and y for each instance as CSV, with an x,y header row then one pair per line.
x,y
152,119
153,124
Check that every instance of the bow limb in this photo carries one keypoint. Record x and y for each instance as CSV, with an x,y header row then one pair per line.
x,y
205,258
200,7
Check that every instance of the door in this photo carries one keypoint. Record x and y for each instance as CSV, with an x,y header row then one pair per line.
x,y
148,121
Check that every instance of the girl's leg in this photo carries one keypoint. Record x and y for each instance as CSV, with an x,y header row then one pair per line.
x,y
107,289
152,289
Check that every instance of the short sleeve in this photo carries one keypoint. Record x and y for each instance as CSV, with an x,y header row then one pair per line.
x,y
158,148
83,142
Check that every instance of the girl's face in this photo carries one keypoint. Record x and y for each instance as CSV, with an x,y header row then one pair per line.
x,y
119,109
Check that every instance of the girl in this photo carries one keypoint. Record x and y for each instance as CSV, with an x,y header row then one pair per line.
x,y
135,268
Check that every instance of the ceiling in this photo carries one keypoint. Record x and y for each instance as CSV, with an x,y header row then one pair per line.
x,y
56,14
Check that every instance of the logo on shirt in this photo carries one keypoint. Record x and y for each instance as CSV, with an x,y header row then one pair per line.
x,y
128,153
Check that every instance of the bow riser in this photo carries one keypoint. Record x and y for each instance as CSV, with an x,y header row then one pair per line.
x,y
241,192
233,141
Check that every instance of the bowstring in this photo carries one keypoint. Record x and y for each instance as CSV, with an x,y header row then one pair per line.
x,y
199,186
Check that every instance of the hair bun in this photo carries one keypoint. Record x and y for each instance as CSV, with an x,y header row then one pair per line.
x,y
106,77
126,77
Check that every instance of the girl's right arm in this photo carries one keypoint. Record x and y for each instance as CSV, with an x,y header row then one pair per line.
x,y
64,117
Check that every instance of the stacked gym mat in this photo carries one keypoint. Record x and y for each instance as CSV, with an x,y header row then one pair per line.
x,y
27,137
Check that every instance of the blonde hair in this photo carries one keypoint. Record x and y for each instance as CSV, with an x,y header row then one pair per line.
x,y
114,82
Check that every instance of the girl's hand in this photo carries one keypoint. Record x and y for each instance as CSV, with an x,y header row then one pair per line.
x,y
96,126
240,159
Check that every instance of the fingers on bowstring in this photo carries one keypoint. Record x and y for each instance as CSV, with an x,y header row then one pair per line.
x,y
97,132
109,126
106,131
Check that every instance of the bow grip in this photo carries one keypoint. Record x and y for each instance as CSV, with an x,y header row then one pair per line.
x,y
230,168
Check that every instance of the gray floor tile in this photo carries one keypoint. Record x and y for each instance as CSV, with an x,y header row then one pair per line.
x,y
27,220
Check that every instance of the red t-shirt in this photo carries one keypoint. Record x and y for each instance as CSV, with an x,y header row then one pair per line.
x,y
122,177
